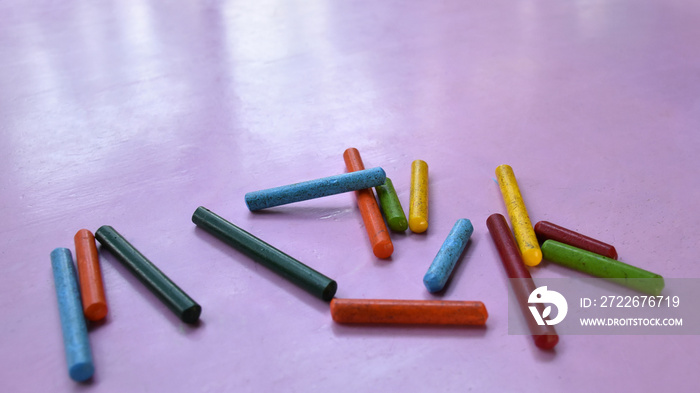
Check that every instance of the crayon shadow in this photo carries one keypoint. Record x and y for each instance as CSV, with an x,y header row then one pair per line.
x,y
382,263
89,383
384,330
398,235
240,259
418,237
95,325
146,294
543,355
303,212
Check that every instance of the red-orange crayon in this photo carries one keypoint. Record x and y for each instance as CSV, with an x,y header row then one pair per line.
x,y
374,222
91,288
418,312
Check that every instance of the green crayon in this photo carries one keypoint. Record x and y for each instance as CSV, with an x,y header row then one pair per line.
x,y
603,267
391,207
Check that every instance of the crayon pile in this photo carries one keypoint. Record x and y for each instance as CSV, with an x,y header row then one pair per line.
x,y
82,298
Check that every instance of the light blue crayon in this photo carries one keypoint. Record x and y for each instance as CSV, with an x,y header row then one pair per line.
x,y
311,189
75,335
446,259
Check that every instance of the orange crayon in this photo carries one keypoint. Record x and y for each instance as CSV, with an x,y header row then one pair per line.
x,y
374,222
418,312
91,288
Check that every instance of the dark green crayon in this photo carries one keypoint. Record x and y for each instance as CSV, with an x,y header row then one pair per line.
x,y
391,206
158,283
303,276
603,267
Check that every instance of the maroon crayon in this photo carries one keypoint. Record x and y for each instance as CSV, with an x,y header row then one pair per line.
x,y
544,335
545,230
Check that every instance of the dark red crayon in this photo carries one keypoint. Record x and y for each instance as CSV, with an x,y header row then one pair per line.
x,y
545,230
545,336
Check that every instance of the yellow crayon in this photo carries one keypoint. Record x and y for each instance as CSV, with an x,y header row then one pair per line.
x,y
418,206
524,234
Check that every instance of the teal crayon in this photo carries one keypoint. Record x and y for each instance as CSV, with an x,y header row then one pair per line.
x,y
446,259
351,181
75,335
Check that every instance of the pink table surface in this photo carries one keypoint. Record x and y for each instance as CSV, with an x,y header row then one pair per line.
x,y
134,113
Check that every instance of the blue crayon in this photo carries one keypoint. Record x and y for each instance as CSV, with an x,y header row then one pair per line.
x,y
311,189
75,335
446,259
